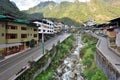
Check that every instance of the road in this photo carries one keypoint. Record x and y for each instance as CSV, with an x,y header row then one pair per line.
x,y
113,58
11,66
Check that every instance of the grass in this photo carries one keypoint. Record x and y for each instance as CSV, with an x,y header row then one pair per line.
x,y
91,71
64,49
46,75
61,50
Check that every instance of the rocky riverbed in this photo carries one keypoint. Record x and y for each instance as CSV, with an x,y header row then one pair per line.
x,y
71,68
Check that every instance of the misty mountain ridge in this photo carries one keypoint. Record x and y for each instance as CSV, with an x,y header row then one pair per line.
x,y
71,13
99,10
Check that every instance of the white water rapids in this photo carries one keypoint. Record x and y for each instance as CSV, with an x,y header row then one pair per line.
x,y
71,68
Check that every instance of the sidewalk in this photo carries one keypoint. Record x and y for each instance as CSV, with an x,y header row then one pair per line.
x,y
6,57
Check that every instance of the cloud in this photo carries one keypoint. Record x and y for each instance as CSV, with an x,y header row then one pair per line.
x,y
63,0
26,4
84,0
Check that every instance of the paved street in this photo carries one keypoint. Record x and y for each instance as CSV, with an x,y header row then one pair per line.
x,y
10,66
113,58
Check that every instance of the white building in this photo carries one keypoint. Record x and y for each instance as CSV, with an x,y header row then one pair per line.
x,y
45,26
58,27
90,22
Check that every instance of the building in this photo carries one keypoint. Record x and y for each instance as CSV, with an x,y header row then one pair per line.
x,y
89,23
116,25
58,27
16,35
46,27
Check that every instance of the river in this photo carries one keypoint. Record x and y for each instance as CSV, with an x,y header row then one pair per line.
x,y
71,68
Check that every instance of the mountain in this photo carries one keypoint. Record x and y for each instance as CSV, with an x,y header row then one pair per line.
x,y
40,9
13,3
8,7
99,10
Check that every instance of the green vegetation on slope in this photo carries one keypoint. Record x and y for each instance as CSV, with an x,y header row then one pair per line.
x,y
71,13
64,49
61,50
6,7
100,10
91,71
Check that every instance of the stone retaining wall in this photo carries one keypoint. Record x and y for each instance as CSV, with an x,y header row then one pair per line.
x,y
105,65
44,67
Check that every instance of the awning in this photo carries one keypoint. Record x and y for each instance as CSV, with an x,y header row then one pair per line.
x,y
9,45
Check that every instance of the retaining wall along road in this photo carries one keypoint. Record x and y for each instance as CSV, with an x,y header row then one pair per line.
x,y
105,64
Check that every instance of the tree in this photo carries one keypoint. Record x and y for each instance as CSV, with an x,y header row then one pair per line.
x,y
32,43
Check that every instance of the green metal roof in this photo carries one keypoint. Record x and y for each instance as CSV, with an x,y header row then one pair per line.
x,y
2,16
21,21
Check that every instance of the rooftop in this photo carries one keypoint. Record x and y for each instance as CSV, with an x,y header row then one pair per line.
x,y
13,19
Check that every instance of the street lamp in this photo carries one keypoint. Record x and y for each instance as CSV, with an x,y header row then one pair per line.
x,y
42,43
41,25
42,39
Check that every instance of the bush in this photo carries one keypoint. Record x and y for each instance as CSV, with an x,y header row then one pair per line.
x,y
63,50
32,43
91,72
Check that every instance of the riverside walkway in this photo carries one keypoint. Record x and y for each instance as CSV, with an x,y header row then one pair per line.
x,y
107,60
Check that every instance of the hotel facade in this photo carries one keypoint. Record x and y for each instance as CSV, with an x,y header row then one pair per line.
x,y
16,35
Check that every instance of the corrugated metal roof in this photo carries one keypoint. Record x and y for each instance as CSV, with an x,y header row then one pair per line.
x,y
21,21
2,16
7,18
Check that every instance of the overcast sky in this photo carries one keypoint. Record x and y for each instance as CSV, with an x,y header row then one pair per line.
x,y
26,4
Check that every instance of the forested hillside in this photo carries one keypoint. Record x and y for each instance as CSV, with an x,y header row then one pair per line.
x,y
99,10
8,7
72,13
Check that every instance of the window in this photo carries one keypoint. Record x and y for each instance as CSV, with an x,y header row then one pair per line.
x,y
23,28
23,35
2,34
11,36
35,29
39,29
45,26
11,27
35,35
43,30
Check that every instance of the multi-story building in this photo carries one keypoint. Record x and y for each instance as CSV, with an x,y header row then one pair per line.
x,y
45,27
58,27
89,23
16,35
